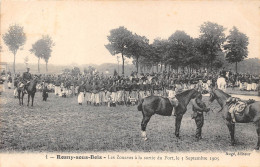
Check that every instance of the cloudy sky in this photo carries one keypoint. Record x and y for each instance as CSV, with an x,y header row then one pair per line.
x,y
80,28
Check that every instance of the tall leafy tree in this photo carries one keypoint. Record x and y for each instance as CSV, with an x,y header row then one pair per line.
x,y
49,42
211,39
42,49
120,40
179,48
14,39
138,48
236,47
160,51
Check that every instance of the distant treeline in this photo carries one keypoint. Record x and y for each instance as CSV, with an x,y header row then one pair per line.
x,y
251,65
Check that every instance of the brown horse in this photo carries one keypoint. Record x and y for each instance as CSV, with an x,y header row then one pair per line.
x,y
31,90
162,106
251,114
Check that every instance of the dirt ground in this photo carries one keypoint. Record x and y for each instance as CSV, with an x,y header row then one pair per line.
x,y
61,125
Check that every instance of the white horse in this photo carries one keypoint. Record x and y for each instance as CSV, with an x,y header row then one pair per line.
x,y
222,84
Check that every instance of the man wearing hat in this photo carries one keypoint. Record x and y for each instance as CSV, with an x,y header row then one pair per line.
x,y
26,78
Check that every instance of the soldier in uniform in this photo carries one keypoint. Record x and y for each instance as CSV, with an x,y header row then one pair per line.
x,y
9,83
81,93
198,107
102,93
127,90
26,78
119,93
57,86
88,92
113,92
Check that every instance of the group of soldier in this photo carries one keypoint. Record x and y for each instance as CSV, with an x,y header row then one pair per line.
x,y
98,89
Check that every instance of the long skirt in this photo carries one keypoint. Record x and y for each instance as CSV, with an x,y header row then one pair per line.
x,y
119,96
134,95
240,85
92,98
254,86
114,97
126,95
9,84
96,98
77,90
249,87
102,96
80,97
108,97
88,97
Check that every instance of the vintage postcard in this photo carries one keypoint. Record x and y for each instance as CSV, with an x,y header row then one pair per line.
x,y
129,83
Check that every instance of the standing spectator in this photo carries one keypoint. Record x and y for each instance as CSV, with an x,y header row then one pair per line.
x,y
198,107
81,93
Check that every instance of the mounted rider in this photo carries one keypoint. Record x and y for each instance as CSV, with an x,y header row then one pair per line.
x,y
26,78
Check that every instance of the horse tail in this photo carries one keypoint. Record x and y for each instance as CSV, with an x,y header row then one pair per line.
x,y
139,107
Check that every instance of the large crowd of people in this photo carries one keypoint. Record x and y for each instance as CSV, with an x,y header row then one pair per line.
x,y
99,89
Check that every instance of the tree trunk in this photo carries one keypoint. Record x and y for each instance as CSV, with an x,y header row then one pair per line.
x,y
14,62
38,65
46,67
137,64
123,65
157,68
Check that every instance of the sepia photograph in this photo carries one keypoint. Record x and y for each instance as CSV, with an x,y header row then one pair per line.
x,y
136,83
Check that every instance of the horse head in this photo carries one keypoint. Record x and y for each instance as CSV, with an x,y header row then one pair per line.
x,y
212,96
195,93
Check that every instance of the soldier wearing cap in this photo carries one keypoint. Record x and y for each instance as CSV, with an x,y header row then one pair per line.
x,y
26,78
198,107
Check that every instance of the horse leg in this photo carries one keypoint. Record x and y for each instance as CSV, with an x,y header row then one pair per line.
x,y
19,96
28,99
143,126
178,124
257,124
33,98
22,97
231,128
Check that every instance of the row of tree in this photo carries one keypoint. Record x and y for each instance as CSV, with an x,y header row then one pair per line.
x,y
15,38
180,51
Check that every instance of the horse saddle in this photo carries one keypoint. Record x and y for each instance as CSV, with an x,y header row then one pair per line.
x,y
236,105
21,85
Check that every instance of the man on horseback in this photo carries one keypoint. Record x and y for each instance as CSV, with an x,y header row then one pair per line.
x,y
26,78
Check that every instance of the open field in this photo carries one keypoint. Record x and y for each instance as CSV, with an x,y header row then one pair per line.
x,y
61,125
